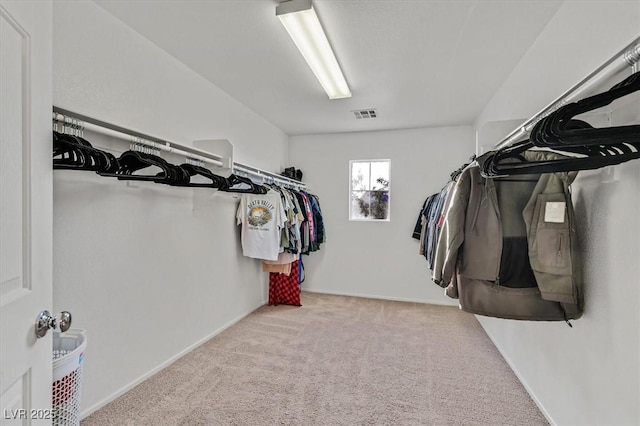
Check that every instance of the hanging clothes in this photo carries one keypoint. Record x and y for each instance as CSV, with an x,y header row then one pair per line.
x,y
262,217
418,229
278,227
300,223
430,222
284,268
319,232
432,231
305,238
282,264
508,248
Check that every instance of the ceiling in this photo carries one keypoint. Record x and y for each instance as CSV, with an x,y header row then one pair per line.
x,y
419,63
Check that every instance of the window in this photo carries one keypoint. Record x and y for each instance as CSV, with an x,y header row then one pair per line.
x,y
369,194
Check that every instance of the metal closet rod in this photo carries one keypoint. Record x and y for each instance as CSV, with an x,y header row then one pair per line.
x,y
109,129
627,57
99,126
266,176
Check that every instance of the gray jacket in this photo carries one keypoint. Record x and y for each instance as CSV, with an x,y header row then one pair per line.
x,y
508,248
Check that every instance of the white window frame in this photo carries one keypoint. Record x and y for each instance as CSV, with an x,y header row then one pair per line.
x,y
351,190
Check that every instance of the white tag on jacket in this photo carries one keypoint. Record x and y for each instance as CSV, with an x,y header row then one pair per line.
x,y
554,211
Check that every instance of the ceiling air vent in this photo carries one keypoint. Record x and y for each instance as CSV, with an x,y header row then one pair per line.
x,y
365,113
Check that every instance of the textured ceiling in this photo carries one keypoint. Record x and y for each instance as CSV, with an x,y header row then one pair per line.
x,y
419,63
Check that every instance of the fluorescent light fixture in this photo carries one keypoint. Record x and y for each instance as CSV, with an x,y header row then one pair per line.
x,y
302,24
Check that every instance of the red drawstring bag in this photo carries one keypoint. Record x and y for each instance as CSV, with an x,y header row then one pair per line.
x,y
285,289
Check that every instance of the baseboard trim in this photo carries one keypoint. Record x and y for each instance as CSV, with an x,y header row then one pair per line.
x,y
515,370
95,407
373,296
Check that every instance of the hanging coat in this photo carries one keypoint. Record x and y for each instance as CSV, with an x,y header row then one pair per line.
x,y
509,249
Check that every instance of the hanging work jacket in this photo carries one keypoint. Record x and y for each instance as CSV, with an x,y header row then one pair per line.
x,y
508,247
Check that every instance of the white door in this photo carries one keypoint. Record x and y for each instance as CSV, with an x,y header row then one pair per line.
x,y
25,210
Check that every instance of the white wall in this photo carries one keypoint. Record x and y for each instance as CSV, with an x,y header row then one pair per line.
x,y
588,374
377,259
143,271
581,36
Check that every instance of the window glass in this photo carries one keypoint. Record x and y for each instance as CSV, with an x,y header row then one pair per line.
x,y
360,176
379,175
369,192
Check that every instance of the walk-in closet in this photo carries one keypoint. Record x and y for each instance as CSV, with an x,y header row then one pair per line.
x,y
438,226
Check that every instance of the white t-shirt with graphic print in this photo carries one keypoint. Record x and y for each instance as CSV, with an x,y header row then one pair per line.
x,y
262,216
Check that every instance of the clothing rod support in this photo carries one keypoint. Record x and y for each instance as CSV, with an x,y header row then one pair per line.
x,y
627,57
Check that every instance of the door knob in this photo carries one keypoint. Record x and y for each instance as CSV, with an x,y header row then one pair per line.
x,y
46,321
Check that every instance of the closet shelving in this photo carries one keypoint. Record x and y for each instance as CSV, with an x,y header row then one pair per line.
x,y
73,119
625,59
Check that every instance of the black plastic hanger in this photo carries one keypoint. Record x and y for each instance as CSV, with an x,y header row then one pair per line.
x,y
131,162
510,161
557,129
233,180
193,170
67,154
491,166
75,152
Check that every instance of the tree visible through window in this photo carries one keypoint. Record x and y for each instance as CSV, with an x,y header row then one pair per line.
x,y
369,190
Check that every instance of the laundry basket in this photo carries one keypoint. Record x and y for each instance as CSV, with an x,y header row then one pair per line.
x,y
68,355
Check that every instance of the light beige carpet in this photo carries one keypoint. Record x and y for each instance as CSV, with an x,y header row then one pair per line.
x,y
336,360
